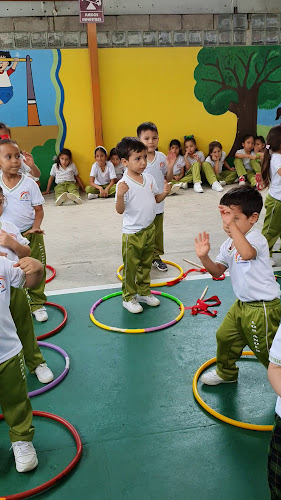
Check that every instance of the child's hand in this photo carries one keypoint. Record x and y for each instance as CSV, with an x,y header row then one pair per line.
x,y
45,192
202,244
122,188
215,156
34,230
6,240
232,169
28,159
227,215
29,265
2,254
171,159
167,187
106,192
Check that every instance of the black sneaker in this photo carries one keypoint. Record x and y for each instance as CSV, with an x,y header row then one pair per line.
x,y
160,265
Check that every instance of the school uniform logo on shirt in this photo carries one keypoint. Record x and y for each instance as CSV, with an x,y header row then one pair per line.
x,y
239,260
3,286
24,196
162,165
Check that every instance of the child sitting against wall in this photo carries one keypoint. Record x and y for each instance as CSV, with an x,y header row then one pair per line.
x,y
116,162
179,165
102,176
216,159
66,177
247,162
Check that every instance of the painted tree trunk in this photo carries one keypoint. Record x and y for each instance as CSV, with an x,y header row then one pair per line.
x,y
246,111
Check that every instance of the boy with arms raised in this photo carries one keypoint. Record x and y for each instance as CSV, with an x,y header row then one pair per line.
x,y
136,197
161,167
254,317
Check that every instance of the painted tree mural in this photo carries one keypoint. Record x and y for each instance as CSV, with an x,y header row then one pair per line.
x,y
240,80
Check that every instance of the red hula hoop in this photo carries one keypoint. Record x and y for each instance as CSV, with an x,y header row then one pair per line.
x,y
61,475
53,275
58,328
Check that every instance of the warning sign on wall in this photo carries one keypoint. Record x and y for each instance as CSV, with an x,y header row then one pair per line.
x,y
91,11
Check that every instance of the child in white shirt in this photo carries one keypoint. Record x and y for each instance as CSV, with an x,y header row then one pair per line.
x,y
254,318
179,166
161,168
116,162
217,161
271,176
136,196
25,210
65,174
102,176
14,400
247,162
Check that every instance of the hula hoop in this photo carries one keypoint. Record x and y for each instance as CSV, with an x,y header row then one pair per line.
x,y
57,381
236,423
61,475
164,283
137,330
53,275
61,325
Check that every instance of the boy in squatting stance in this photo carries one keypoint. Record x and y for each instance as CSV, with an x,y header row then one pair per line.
x,y
254,317
136,197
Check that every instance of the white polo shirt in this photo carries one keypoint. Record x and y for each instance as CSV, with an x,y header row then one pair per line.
x,y
253,279
201,157
103,177
140,203
178,165
275,358
13,231
21,201
246,161
10,344
158,169
64,174
221,161
275,178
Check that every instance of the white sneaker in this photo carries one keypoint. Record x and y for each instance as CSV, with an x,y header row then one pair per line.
x,y
272,262
40,314
61,199
25,456
222,183
150,300
92,196
44,374
184,185
212,378
175,188
198,188
133,306
74,198
242,181
216,186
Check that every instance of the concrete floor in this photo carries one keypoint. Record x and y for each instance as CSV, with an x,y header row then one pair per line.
x,y
83,242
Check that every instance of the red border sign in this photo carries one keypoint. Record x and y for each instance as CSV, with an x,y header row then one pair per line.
x,y
91,11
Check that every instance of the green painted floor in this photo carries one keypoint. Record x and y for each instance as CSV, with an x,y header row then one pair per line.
x,y
130,398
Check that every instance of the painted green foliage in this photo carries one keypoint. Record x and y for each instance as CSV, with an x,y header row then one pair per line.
x,y
43,157
240,80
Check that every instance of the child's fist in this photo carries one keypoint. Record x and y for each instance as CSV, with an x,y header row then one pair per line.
x,y
167,186
122,188
29,265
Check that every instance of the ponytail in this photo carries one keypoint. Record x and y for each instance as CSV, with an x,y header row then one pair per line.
x,y
265,168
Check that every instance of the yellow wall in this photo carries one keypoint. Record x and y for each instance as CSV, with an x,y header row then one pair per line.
x,y
140,84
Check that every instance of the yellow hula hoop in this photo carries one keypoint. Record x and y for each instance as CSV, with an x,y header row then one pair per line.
x,y
236,423
164,283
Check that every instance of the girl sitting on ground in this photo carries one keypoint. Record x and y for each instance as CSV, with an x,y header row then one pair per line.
x,y
217,161
66,177
116,162
102,176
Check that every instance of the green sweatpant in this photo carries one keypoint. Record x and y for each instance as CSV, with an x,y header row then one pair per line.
x,y
246,323
66,187
159,236
36,296
21,315
93,190
193,174
250,174
209,172
137,253
14,400
272,221
227,176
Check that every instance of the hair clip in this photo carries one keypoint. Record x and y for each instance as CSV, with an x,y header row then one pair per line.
x,y
101,147
186,137
267,146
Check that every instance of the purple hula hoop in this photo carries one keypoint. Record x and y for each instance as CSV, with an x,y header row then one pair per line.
x,y
57,381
